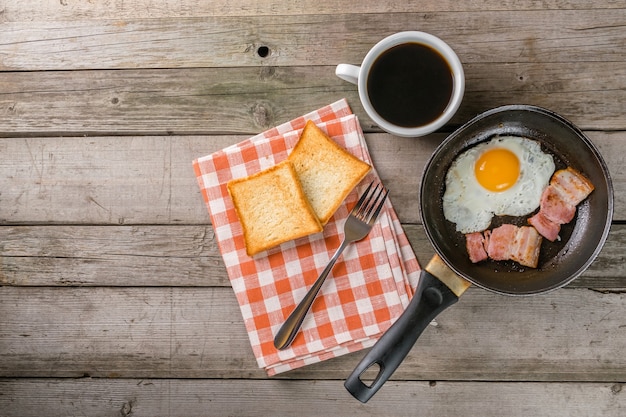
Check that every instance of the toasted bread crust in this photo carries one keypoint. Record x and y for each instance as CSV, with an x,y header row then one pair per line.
x,y
326,171
272,208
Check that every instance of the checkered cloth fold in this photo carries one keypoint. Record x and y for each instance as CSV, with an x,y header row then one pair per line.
x,y
370,285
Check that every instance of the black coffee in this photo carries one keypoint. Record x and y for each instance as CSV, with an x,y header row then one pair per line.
x,y
410,85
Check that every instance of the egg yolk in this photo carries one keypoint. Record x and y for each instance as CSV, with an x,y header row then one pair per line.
x,y
497,169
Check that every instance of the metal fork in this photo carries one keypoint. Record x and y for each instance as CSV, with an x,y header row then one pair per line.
x,y
357,226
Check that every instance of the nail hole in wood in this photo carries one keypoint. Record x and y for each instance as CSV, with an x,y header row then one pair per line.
x,y
263,51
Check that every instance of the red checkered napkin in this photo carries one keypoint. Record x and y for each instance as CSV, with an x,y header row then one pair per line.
x,y
369,287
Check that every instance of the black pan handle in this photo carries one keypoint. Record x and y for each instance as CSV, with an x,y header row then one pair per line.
x,y
431,298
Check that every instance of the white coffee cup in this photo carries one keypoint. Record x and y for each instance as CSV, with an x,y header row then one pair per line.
x,y
360,75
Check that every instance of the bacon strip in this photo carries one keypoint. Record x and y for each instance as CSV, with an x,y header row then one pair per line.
x,y
507,242
526,246
573,186
501,241
567,188
555,206
545,226
475,243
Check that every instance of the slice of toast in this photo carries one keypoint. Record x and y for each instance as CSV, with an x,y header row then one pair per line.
x,y
327,172
272,208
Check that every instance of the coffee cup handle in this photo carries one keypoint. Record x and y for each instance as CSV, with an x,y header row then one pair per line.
x,y
347,72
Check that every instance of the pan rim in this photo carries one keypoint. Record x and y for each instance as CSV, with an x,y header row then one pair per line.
x,y
443,149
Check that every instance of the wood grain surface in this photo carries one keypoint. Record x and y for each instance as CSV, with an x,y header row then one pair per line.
x,y
114,299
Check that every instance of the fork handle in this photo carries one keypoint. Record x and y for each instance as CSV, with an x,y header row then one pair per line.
x,y
291,326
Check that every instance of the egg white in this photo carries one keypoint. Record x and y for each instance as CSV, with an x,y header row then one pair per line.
x,y
471,206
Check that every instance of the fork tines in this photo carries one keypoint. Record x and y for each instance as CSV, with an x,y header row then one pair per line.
x,y
369,205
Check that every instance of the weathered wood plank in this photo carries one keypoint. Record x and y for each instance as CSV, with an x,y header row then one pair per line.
x,y
30,11
110,180
567,335
250,100
167,101
110,256
156,397
149,256
150,180
594,35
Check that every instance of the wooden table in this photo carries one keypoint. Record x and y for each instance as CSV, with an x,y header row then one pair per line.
x,y
114,299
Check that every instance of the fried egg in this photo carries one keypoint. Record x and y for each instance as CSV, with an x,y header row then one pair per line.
x,y
504,176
